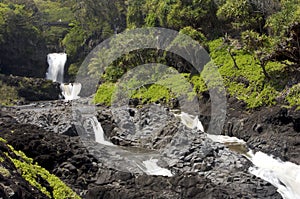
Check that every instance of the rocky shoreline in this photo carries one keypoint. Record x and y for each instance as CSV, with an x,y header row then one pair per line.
x,y
202,168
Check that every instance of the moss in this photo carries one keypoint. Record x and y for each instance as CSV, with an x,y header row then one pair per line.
x,y
4,172
31,171
2,140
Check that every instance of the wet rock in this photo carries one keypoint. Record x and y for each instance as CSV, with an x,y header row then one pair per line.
x,y
202,169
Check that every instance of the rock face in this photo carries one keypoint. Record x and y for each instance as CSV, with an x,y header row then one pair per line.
x,y
12,184
274,130
33,89
202,169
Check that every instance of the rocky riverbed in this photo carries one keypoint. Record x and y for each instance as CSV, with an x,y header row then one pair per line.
x,y
201,168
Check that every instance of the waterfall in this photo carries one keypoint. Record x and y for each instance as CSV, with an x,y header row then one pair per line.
x,y
70,91
285,176
55,73
56,63
99,133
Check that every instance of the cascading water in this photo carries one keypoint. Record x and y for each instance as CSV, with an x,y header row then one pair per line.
x,y
70,91
55,73
136,162
56,63
190,122
99,134
283,175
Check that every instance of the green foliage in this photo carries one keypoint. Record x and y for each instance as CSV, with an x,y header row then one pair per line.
x,y
3,140
3,171
30,171
194,34
53,12
258,45
134,15
280,21
155,89
104,93
198,83
248,83
173,14
153,93
73,69
293,96
9,95
74,40
242,14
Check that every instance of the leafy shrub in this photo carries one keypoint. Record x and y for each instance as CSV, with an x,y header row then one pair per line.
x,y
293,96
104,93
247,83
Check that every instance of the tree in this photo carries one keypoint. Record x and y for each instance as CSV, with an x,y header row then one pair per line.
x,y
20,38
242,14
284,27
260,46
230,45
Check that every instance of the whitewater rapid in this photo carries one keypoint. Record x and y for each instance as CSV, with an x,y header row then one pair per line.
x,y
285,176
70,91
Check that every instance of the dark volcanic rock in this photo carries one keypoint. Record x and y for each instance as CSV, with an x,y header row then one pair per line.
x,y
198,167
33,89
12,184
273,130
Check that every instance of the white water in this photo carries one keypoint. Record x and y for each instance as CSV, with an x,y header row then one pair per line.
x,y
55,73
143,163
56,63
285,176
70,91
99,134
153,169
190,121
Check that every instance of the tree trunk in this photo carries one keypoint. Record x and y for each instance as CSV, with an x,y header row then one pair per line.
x,y
233,58
263,66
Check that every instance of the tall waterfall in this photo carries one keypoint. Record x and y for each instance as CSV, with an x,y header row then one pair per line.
x,y
55,73
56,63
285,176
